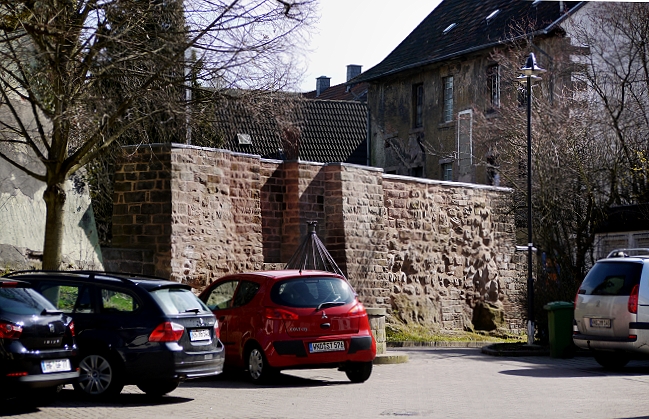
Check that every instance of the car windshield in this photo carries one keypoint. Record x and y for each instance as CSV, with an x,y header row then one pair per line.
x,y
178,301
611,278
312,292
23,301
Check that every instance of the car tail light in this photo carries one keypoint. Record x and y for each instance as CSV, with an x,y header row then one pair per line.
x,y
633,299
357,309
17,374
217,330
71,329
10,330
279,314
167,332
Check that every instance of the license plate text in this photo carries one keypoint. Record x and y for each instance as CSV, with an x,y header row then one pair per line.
x,y
56,365
337,345
199,334
600,323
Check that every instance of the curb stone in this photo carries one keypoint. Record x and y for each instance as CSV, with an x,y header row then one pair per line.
x,y
438,344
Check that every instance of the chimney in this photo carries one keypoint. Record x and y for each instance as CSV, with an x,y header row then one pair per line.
x,y
321,84
353,70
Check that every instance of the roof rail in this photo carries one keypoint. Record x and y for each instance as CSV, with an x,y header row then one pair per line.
x,y
122,276
625,253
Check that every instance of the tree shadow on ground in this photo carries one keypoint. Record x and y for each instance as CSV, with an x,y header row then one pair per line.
x,y
68,398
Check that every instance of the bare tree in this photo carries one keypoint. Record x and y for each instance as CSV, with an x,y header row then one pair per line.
x,y
590,132
77,77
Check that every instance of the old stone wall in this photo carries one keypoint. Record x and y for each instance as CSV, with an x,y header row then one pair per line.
x,y
433,253
142,212
450,254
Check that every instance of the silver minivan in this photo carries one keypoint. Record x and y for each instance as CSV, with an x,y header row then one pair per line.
x,y
612,308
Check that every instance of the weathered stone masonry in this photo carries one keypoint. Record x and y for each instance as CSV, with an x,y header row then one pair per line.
x,y
430,252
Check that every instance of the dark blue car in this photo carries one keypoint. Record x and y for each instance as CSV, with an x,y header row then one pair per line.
x,y
37,346
145,331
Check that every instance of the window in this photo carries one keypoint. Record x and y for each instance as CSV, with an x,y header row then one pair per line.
x,y
247,291
18,300
493,177
68,298
493,74
178,301
311,292
116,301
447,171
522,95
417,171
616,278
222,295
448,98
417,105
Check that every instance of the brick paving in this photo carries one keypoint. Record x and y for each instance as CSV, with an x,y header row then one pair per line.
x,y
436,382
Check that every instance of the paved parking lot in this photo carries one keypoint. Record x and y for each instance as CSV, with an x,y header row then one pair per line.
x,y
438,383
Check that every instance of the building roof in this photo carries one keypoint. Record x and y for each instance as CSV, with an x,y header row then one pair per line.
x,y
343,91
333,131
458,27
327,131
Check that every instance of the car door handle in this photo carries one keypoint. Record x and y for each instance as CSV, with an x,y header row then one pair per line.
x,y
325,325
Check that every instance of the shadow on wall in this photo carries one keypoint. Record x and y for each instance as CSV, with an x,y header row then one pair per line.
x,y
22,218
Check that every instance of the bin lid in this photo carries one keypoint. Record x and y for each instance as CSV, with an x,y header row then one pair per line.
x,y
558,305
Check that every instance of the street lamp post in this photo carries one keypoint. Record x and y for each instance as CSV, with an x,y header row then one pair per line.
x,y
530,71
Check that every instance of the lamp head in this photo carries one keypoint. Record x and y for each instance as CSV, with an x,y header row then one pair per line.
x,y
531,68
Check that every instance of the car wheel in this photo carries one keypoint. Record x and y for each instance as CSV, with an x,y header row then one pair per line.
x,y
612,361
157,389
258,369
359,372
99,376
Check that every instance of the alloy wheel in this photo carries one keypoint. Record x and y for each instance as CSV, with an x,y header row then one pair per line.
x,y
96,375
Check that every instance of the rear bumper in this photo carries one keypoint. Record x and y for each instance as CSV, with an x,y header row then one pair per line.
x,y
47,380
24,361
294,353
630,344
170,361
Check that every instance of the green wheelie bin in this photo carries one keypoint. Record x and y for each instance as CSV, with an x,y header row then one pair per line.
x,y
560,319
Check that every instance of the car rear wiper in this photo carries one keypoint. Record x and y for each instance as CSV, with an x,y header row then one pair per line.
x,y
193,310
330,304
50,312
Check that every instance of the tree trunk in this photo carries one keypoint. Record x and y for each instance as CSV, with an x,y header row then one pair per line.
x,y
54,197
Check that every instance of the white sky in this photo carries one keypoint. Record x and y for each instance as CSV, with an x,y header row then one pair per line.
x,y
359,32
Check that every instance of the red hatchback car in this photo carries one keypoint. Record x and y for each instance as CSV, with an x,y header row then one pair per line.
x,y
275,320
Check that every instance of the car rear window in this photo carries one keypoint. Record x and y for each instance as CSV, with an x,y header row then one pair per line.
x,y
611,278
178,301
311,292
23,301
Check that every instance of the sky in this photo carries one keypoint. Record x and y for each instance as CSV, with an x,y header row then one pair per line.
x,y
361,32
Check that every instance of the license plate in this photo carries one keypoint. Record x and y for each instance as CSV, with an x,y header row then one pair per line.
x,y
606,323
56,365
199,334
336,345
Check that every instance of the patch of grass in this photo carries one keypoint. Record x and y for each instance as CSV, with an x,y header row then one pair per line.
x,y
403,333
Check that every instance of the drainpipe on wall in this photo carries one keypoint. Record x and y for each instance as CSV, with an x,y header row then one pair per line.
x,y
368,130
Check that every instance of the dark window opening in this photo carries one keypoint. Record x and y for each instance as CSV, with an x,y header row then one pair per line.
x,y
417,105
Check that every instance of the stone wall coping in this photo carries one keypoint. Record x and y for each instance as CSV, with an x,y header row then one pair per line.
x,y
357,166
376,311
446,183
220,150
257,156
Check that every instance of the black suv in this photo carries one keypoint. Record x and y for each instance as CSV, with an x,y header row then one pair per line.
x,y
37,347
133,330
